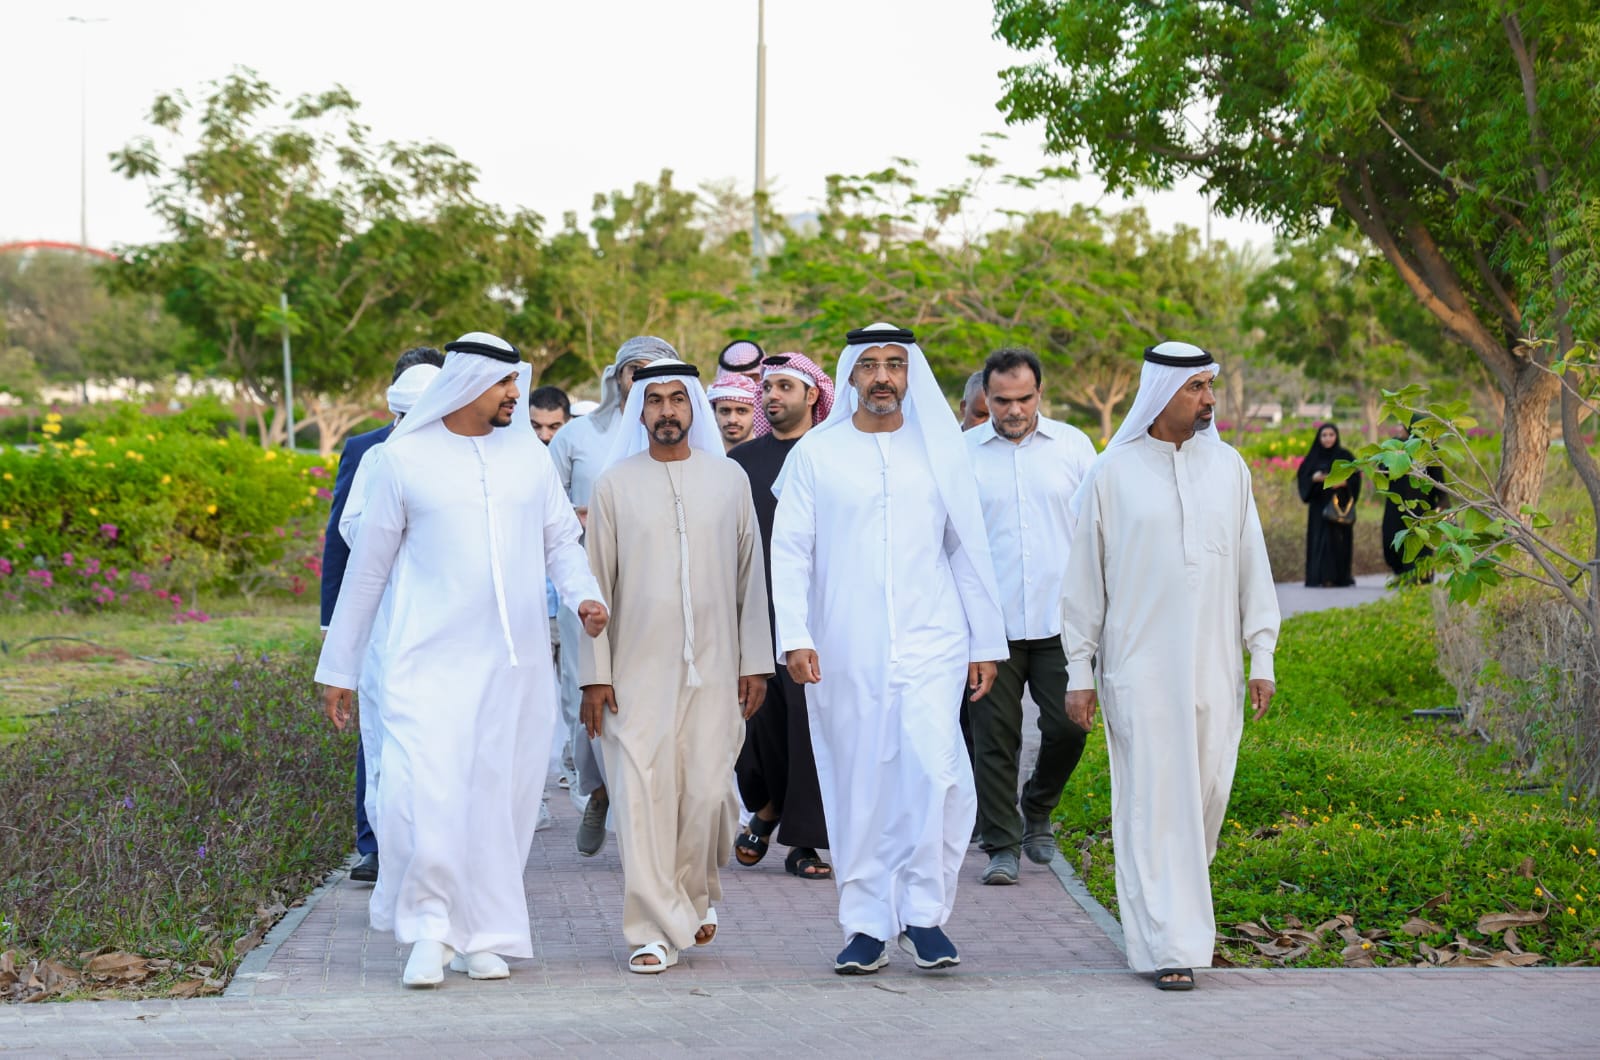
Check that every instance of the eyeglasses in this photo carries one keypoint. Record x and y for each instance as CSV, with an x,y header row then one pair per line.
x,y
895,366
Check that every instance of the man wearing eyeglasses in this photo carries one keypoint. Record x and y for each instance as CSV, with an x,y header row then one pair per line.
x,y
886,607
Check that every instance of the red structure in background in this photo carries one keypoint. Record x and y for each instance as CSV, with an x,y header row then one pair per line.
x,y
48,244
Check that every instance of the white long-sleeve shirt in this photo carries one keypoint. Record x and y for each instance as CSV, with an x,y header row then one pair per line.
x,y
1026,488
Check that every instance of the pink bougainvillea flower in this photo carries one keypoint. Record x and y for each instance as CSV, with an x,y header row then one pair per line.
x,y
5,567
109,531
66,559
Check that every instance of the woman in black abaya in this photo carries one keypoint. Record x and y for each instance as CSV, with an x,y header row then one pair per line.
x,y
1328,544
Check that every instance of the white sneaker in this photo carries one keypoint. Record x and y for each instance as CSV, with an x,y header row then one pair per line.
x,y
482,965
545,820
425,966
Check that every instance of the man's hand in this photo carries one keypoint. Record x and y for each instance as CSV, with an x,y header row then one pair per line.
x,y
582,512
592,712
752,693
339,704
980,678
1081,708
1260,696
594,616
803,667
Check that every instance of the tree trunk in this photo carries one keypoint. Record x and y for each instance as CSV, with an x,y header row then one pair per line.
x,y
1526,441
1371,412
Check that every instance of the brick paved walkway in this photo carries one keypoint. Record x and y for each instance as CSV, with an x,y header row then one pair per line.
x,y
1040,977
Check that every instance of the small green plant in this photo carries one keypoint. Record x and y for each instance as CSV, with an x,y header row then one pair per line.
x,y
1344,807
172,825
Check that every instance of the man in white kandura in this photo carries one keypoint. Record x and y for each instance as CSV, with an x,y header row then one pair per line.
x,y
886,605
580,451
674,543
1168,578
465,517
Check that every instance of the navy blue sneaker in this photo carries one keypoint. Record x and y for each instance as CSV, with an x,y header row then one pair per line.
x,y
930,946
863,956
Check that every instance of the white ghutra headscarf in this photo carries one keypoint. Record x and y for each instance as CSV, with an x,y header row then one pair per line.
x,y
702,434
927,413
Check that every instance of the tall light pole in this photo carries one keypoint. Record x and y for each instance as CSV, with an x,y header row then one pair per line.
x,y
83,130
757,248
288,371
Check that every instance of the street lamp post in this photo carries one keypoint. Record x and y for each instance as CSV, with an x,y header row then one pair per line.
x,y
83,130
757,248
288,371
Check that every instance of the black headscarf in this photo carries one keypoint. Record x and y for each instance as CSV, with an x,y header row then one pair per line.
x,y
1322,458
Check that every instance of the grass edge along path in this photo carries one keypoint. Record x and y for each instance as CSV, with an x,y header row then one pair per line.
x,y
149,847
1356,836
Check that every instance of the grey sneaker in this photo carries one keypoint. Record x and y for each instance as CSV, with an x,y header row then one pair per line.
x,y
1039,841
1003,868
592,829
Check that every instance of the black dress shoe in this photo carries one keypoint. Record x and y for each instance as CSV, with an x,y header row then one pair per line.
x,y
366,870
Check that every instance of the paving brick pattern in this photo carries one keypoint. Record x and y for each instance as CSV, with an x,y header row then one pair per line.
x,y
1038,978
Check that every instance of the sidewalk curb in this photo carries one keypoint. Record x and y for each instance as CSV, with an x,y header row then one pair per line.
x,y
1078,892
254,965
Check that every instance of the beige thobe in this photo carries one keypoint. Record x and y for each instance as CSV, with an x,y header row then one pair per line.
x,y
1167,579
670,748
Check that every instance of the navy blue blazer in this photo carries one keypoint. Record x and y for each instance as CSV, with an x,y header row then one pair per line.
x,y
335,553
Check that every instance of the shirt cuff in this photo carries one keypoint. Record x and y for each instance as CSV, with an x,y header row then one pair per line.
x,y
1080,676
336,679
1261,666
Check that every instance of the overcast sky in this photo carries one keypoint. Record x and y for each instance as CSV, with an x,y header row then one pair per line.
x,y
553,101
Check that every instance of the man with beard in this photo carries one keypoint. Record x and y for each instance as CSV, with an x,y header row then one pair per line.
x,y
777,773
1028,467
734,399
886,606
580,451
1167,580
667,688
459,515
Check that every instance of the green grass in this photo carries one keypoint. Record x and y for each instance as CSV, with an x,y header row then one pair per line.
x,y
1343,806
123,652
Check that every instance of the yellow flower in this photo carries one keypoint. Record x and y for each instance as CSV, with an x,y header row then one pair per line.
x,y
94,511
111,440
1592,853
1571,911
1539,891
312,490
165,479
52,417
211,509
5,524
270,454
6,476
51,428
1366,945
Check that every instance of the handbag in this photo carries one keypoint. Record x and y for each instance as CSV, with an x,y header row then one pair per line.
x,y
1340,515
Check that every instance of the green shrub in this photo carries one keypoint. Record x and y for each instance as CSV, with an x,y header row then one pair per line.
x,y
160,824
165,498
1344,806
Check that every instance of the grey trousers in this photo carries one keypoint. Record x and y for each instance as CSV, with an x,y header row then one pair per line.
x,y
584,757
1041,666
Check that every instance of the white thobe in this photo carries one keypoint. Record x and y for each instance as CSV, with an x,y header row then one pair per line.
x,y
868,572
466,528
579,451
677,551
1168,578
1026,491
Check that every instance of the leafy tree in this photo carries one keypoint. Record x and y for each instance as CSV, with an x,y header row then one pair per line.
x,y
378,246
1456,136
1331,306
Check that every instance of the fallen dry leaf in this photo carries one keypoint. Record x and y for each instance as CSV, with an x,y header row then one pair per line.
x,y
122,967
1432,903
1500,959
1357,956
1418,926
1494,923
1525,870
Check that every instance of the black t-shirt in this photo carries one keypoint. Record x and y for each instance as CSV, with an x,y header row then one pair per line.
x,y
762,459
